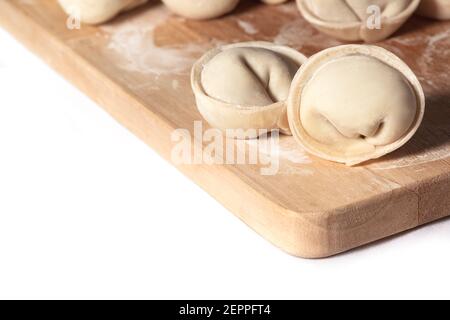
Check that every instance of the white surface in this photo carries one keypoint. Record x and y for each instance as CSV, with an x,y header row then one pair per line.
x,y
89,211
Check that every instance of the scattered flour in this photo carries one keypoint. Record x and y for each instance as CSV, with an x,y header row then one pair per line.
x,y
437,45
428,48
414,158
297,33
247,27
175,84
292,158
291,151
133,40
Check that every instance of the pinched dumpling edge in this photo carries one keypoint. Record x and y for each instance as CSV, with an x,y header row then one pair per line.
x,y
358,31
223,115
307,72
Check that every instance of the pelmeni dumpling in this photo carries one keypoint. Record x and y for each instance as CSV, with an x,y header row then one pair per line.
x,y
98,11
245,86
354,103
201,9
435,9
356,20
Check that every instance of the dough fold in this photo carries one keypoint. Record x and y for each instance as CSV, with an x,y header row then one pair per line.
x,y
249,76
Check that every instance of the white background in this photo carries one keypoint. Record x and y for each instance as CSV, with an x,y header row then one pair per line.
x,y
89,211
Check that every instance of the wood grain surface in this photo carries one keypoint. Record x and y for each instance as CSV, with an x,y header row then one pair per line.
x,y
137,68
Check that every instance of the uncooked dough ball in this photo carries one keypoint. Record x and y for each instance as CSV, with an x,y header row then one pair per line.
x,y
98,11
356,20
201,9
245,86
354,103
435,9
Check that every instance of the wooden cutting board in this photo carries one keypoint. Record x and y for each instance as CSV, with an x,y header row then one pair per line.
x,y
137,68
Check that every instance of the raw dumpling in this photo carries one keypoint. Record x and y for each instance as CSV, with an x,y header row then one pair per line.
x,y
201,9
98,11
435,9
245,86
354,20
354,103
